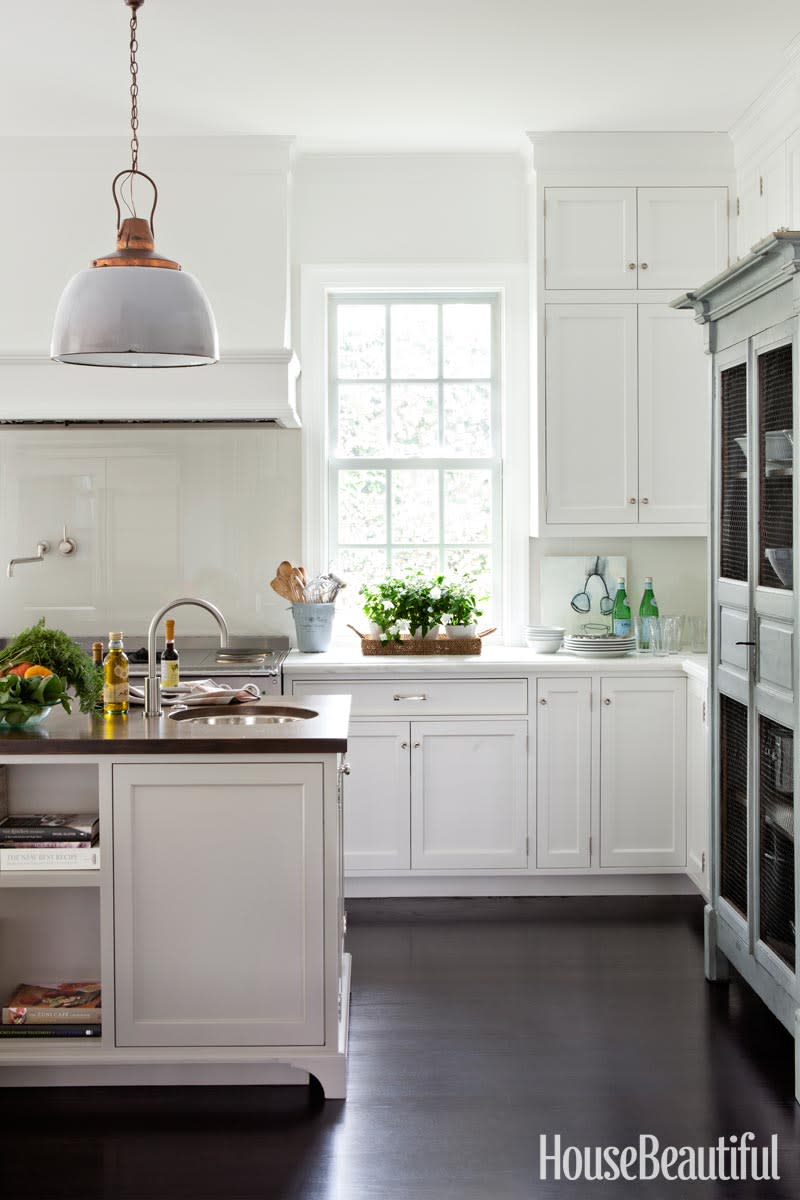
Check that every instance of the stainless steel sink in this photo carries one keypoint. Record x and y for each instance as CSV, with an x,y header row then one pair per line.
x,y
243,714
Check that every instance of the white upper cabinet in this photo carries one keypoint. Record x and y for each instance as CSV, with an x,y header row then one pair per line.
x,y
591,414
590,238
649,237
674,417
627,427
683,235
767,198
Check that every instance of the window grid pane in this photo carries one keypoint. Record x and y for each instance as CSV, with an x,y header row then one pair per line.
x,y
415,471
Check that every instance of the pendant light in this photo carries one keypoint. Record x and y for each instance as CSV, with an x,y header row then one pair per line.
x,y
134,307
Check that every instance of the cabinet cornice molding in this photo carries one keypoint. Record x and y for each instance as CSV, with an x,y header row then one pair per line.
x,y
602,152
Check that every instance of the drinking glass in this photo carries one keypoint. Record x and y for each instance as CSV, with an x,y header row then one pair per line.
x,y
658,640
641,629
673,630
697,634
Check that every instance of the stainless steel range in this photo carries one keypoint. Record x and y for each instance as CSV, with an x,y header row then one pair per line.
x,y
245,660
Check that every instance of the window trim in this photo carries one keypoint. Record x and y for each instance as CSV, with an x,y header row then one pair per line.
x,y
510,281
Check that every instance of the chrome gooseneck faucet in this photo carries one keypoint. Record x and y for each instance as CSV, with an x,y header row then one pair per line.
x,y
152,684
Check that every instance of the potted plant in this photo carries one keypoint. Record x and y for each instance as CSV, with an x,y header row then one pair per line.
x,y
411,606
461,610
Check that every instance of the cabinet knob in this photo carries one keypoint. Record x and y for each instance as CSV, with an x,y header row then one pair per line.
x,y
643,266
607,700
645,500
345,768
417,745
632,500
404,745
631,266
543,701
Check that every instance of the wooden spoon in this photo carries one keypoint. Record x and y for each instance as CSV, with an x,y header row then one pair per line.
x,y
281,587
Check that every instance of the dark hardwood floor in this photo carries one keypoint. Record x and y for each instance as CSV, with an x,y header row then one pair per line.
x,y
475,1027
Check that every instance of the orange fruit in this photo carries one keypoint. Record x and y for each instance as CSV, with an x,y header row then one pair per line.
x,y
32,672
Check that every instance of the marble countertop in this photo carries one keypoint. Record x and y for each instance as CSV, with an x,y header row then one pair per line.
x,y
347,662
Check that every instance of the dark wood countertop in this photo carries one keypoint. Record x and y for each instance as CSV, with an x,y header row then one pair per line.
x,y
81,733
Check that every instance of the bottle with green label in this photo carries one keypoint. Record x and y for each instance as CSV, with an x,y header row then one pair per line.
x,y
621,612
647,608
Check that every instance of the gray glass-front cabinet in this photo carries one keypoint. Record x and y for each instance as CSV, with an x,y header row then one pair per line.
x,y
752,317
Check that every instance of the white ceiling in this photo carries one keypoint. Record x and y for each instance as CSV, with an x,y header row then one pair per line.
x,y
386,74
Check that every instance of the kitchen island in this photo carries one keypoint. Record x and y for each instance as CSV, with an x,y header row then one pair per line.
x,y
214,922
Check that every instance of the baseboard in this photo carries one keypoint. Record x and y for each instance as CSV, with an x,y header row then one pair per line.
x,y
521,885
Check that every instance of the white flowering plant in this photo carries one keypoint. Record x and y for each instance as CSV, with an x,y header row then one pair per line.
x,y
417,602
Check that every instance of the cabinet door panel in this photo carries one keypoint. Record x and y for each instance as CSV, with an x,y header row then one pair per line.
x,y
697,785
674,417
469,794
218,920
377,797
683,235
590,237
643,773
591,421
749,218
563,772
774,191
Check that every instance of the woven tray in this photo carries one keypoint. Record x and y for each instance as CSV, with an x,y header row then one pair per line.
x,y
445,645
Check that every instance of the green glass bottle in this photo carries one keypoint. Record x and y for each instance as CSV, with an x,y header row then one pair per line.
x,y
621,612
647,608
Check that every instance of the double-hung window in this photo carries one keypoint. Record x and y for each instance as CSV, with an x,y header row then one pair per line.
x,y
415,466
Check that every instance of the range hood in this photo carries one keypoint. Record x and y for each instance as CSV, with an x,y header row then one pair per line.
x,y
228,214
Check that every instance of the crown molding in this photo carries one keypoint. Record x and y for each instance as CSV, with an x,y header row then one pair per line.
x,y
246,154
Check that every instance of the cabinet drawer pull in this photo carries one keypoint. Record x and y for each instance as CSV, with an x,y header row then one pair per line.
x,y
744,643
645,500
607,700
543,701
643,266
404,745
417,745
631,266
632,500
421,696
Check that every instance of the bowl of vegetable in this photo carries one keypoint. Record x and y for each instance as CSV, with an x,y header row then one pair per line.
x,y
40,668
27,699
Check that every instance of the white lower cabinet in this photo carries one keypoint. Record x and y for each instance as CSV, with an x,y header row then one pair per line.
x,y
377,797
218,905
643,772
697,785
563,772
469,794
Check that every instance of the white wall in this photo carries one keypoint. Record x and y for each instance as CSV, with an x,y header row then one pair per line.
x,y
157,513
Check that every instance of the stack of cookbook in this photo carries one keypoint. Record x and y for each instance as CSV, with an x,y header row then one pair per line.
x,y
49,842
57,1010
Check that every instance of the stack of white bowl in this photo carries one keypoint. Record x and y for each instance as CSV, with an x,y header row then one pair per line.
x,y
544,639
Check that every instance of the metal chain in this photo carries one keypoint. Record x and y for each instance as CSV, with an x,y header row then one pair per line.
x,y
134,46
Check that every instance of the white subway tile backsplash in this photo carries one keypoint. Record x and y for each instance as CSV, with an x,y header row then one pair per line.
x,y
157,513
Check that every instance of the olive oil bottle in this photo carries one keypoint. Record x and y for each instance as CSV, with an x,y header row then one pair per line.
x,y
115,677
170,659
